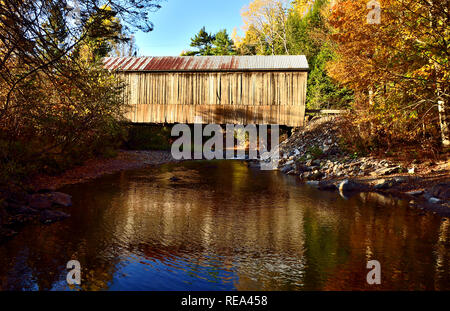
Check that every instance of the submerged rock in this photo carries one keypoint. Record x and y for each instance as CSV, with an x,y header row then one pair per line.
x,y
48,199
313,183
415,193
21,210
61,199
40,201
49,216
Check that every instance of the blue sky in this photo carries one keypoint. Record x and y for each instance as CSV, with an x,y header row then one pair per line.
x,y
179,20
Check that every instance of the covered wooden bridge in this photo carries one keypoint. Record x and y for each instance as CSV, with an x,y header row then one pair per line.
x,y
214,89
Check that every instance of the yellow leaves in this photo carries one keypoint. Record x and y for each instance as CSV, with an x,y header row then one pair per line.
x,y
85,53
238,41
302,6
253,14
404,61
413,115
105,7
264,22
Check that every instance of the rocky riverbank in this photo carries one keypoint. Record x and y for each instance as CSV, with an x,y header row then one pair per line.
x,y
21,208
44,204
314,155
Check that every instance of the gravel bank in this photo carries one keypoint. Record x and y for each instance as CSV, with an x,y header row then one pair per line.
x,y
125,160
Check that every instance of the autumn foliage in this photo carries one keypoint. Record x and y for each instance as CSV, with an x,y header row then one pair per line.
x,y
393,71
398,69
57,105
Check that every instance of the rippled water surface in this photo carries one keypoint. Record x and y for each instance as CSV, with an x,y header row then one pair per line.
x,y
224,226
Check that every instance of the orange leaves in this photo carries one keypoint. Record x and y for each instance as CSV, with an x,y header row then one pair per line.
x,y
404,61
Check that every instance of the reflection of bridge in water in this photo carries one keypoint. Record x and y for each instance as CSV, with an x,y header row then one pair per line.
x,y
222,225
219,89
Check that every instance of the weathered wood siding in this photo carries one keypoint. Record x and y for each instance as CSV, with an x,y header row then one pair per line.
x,y
262,97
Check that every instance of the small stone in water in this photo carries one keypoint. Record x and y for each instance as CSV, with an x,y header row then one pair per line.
x,y
434,200
418,192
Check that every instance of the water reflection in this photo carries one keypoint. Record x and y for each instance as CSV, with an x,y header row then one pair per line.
x,y
222,226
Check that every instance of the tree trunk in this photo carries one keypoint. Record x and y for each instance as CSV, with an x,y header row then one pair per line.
x,y
441,104
443,124
370,97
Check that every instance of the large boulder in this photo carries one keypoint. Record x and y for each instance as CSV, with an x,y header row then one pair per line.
x,y
383,184
350,186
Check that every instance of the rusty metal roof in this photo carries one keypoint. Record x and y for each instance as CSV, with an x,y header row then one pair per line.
x,y
207,63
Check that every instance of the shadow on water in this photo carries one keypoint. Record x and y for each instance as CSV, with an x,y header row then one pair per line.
x,y
220,225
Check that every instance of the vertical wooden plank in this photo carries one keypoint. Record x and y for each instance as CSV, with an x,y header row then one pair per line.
x,y
219,97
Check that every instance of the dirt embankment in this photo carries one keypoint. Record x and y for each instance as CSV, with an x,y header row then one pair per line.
x,y
125,160
314,155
